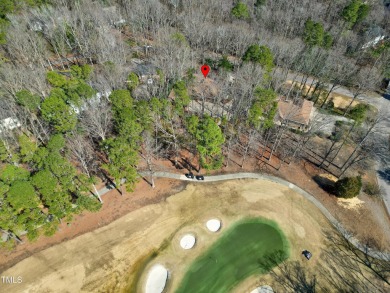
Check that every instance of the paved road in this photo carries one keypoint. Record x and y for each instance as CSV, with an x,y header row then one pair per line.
x,y
308,196
383,133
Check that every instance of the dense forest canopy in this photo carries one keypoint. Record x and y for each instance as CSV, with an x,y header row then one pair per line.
x,y
95,87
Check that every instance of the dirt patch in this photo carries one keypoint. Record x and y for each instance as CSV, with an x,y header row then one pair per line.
x,y
340,101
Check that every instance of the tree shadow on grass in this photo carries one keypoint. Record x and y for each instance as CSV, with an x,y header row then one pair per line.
x,y
290,276
349,269
344,268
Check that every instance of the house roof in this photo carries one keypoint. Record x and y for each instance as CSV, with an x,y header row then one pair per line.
x,y
300,114
145,69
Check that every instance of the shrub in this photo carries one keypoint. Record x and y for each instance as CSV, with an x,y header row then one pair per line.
x,y
190,77
28,100
180,39
336,136
348,187
372,189
55,79
225,64
3,31
259,3
81,72
359,113
240,10
321,134
131,43
132,81
327,42
329,105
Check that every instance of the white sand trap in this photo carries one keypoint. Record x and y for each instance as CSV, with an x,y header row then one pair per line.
x,y
213,225
263,289
157,279
188,241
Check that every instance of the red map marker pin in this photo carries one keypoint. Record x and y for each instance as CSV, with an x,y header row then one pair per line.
x,y
205,70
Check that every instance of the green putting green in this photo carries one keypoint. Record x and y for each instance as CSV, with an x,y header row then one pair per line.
x,y
250,246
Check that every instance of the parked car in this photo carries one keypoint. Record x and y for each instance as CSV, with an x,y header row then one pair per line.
x,y
189,175
307,254
199,177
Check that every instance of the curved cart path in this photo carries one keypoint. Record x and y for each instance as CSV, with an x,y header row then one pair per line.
x,y
308,196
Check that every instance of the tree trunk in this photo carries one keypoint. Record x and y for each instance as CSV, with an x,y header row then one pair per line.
x,y
121,189
327,95
149,162
344,141
265,144
327,154
97,193
250,137
152,180
303,82
277,141
359,145
350,104
354,161
300,144
311,85
228,151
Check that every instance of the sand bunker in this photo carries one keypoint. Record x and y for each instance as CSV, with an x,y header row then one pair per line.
x,y
350,203
157,279
188,241
213,225
263,289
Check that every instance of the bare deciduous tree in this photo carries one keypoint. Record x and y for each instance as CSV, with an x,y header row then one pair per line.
x,y
96,119
151,152
83,152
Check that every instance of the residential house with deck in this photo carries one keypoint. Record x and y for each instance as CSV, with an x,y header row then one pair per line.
x,y
295,115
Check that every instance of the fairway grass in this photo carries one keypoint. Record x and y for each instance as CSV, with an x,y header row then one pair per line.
x,y
240,252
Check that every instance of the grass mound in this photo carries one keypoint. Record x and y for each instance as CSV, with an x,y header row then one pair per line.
x,y
242,250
